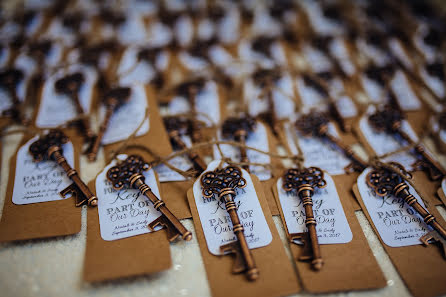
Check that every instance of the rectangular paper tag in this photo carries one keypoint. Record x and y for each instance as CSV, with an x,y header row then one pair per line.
x,y
332,225
165,174
397,223
126,212
36,182
216,223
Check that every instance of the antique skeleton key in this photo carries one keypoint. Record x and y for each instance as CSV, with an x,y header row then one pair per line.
x,y
113,99
389,120
223,183
70,86
9,79
385,181
303,181
129,173
190,90
177,126
316,124
238,129
49,147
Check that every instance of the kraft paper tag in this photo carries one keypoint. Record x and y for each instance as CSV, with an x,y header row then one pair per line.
x,y
397,223
56,109
277,277
216,223
416,262
132,256
332,225
36,182
38,220
126,212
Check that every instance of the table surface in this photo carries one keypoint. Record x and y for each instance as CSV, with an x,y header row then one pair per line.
x,y
52,267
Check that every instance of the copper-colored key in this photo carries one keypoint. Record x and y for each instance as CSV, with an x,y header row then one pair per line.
x,y
70,85
177,126
316,124
223,183
304,181
9,79
49,147
389,120
112,100
385,182
129,173
190,90
239,129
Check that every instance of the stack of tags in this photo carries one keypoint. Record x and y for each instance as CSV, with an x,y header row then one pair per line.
x,y
229,113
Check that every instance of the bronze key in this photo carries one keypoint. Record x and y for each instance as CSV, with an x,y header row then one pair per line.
x,y
49,147
113,99
238,129
223,182
304,181
384,181
177,126
316,124
70,85
389,120
9,79
129,173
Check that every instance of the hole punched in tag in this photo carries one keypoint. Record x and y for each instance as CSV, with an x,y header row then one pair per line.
x,y
223,183
177,126
389,180
49,147
112,100
239,129
389,120
129,173
70,85
303,182
316,124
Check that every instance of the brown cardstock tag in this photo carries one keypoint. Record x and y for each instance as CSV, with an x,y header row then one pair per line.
x,y
277,276
155,140
38,220
441,195
421,268
348,266
137,255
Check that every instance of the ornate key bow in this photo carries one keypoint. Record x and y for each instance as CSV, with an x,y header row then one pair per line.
x,y
223,183
303,181
129,173
49,147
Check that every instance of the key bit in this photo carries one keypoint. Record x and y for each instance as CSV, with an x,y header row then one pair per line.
x,y
49,147
177,126
70,86
112,100
389,120
434,236
239,129
303,182
9,80
223,183
129,173
304,240
316,124
384,181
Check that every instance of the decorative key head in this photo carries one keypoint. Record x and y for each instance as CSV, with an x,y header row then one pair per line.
x,y
314,123
436,69
117,96
73,21
379,74
120,174
235,127
200,48
383,181
70,84
40,48
177,123
90,55
313,83
264,77
112,17
190,87
387,120
10,78
149,54
228,178
39,149
294,178
262,44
